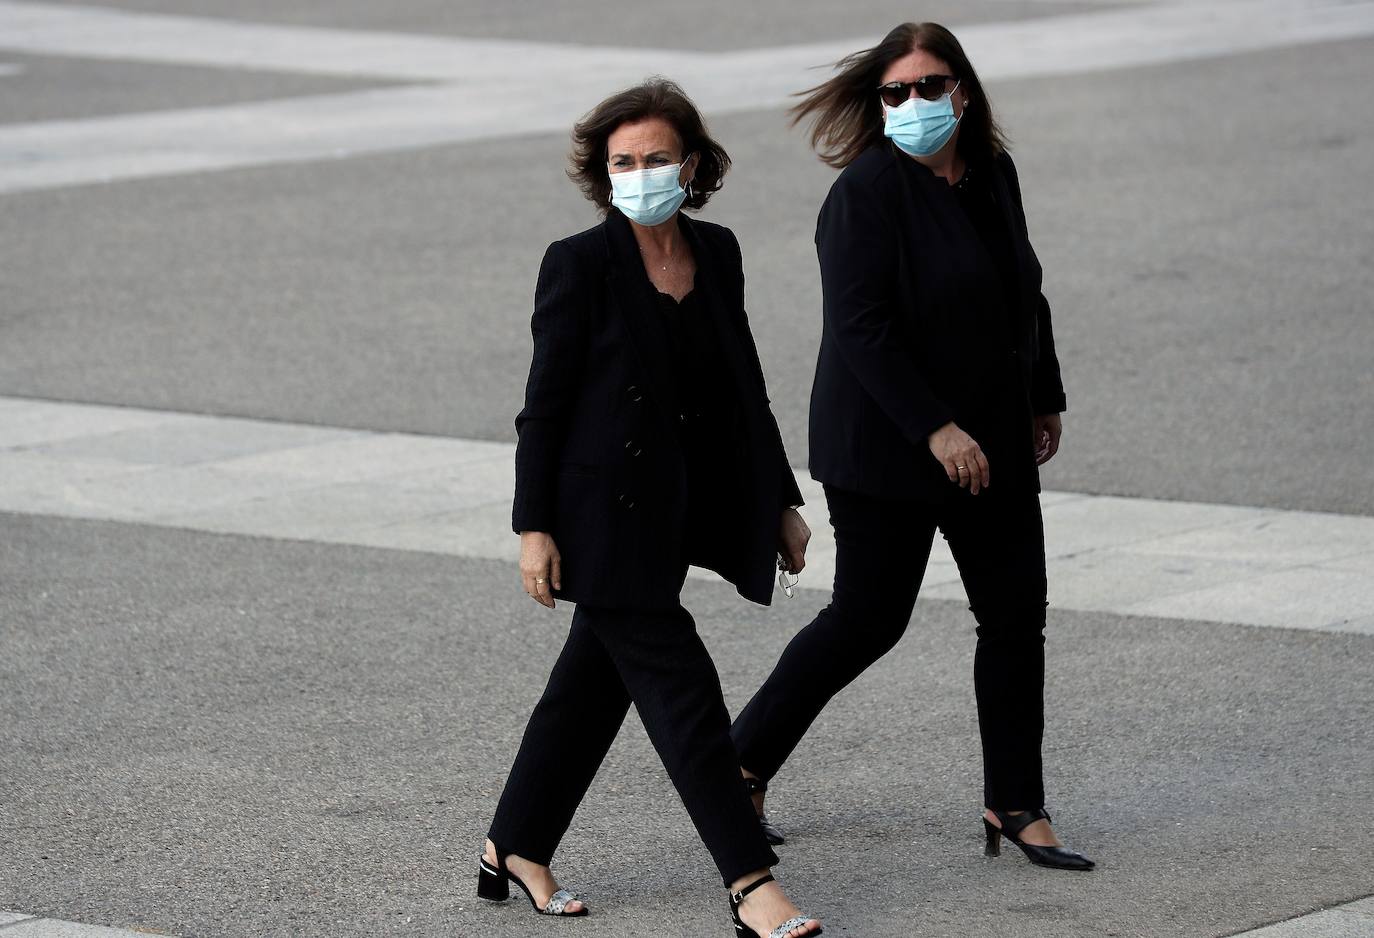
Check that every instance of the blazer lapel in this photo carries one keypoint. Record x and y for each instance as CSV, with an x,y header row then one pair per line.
x,y
629,289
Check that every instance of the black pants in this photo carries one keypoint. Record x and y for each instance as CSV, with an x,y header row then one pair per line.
x,y
882,547
656,660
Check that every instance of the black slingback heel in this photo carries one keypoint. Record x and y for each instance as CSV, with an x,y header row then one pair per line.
x,y
493,884
1059,858
771,832
744,931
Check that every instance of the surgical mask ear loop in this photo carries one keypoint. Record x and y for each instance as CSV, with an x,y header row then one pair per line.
x,y
687,187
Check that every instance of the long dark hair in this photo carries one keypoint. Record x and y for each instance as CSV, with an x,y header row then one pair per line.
x,y
655,97
846,113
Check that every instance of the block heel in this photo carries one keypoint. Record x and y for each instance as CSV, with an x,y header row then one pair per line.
x,y
491,884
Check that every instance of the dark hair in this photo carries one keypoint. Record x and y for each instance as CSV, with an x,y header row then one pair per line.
x,y
655,97
847,114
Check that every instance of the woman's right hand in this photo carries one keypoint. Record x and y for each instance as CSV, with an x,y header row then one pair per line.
x,y
540,566
962,457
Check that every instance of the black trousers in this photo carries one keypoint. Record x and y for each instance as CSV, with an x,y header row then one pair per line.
x,y
882,547
658,661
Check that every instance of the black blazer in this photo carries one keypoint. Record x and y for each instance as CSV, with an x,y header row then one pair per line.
x,y
917,333
599,464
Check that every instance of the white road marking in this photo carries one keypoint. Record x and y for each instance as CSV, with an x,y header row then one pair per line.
x,y
486,91
95,32
20,925
1135,556
1343,921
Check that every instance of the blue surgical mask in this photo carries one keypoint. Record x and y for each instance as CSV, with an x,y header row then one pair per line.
x,y
921,127
648,196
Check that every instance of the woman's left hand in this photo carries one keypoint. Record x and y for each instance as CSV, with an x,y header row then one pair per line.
x,y
1048,429
793,535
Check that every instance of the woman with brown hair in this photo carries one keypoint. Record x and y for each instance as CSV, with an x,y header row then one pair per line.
x,y
646,444
937,370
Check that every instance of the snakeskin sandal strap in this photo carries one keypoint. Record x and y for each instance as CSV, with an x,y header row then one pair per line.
x,y
790,924
558,902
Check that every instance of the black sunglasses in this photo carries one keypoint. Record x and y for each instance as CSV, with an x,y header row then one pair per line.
x,y
929,87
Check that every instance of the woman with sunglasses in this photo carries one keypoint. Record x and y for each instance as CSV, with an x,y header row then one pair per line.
x,y
937,394
646,444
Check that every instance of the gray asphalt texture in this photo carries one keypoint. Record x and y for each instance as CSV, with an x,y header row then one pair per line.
x,y
1205,228
702,24
49,88
217,735
228,736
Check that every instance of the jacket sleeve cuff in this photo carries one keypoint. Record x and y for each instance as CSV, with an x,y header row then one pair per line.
x,y
791,496
1049,402
526,516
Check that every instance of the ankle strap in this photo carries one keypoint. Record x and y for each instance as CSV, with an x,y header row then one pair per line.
x,y
1014,824
500,857
738,897
755,785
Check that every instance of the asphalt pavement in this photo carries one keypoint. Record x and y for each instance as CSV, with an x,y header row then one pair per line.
x,y
236,735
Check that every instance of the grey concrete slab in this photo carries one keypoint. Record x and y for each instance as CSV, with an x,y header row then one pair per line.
x,y
189,440
26,471
9,918
29,424
46,88
488,94
1317,538
1282,598
224,736
316,514
55,928
393,292
1362,907
1117,578
1356,563
369,456
704,25
1332,923
1226,563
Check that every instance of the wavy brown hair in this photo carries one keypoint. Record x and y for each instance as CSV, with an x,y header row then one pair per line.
x,y
656,97
846,113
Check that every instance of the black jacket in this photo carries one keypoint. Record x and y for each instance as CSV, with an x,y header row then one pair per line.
x,y
917,333
599,464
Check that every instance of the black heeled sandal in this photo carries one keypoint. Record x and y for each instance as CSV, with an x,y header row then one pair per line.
x,y
1059,858
771,832
744,931
493,884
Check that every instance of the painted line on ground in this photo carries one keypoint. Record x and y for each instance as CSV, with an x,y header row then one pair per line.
x,y
1350,920
21,925
1131,556
484,92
